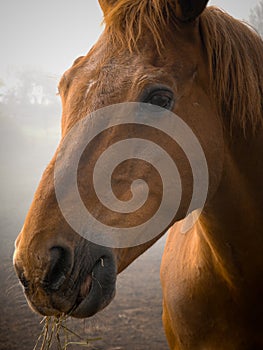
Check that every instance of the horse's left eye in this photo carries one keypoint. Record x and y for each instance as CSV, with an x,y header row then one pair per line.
x,y
162,99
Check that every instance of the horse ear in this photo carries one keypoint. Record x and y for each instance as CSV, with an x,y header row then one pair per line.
x,y
106,5
189,10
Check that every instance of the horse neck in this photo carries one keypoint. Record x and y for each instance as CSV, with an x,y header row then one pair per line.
x,y
232,221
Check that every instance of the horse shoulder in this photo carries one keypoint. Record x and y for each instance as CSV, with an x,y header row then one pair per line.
x,y
196,301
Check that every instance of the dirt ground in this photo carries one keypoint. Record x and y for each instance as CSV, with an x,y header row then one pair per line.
x,y
131,322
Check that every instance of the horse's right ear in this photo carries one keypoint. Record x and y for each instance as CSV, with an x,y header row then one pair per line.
x,y
106,5
189,10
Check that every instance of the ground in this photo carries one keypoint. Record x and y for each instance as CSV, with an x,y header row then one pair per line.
x,y
131,322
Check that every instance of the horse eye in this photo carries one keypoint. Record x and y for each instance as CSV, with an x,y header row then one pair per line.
x,y
163,99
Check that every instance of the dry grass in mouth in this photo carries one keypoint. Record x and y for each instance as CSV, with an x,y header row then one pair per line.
x,y
56,331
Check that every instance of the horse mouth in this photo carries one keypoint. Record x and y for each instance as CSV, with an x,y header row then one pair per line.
x,y
82,294
96,291
86,286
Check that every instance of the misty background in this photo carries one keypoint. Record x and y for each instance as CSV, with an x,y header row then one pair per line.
x,y
39,40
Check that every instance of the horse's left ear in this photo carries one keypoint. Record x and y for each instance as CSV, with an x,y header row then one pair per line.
x,y
189,10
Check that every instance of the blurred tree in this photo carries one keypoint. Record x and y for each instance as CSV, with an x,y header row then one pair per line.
x,y
31,87
256,17
2,84
29,97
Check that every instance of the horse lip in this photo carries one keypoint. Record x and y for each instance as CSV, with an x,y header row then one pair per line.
x,y
87,309
86,286
93,296
96,289
53,309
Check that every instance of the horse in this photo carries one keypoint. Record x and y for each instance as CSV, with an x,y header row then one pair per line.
x,y
204,66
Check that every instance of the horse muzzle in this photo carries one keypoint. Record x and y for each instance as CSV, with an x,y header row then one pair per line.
x,y
78,282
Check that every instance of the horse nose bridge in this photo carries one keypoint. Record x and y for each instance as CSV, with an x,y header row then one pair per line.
x,y
18,240
44,206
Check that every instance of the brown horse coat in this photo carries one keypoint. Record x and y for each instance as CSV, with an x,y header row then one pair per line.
x,y
211,276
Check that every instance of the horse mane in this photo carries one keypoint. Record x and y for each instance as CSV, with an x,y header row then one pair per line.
x,y
234,51
235,54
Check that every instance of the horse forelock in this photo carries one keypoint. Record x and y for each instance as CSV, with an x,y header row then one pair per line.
x,y
234,51
127,19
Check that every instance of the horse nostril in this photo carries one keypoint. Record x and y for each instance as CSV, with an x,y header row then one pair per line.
x,y
60,264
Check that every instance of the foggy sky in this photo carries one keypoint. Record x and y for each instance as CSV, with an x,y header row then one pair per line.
x,y
50,34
